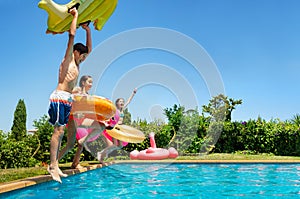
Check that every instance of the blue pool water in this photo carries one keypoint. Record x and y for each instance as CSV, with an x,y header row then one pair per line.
x,y
174,180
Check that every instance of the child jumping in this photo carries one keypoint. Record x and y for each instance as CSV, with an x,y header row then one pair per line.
x,y
61,98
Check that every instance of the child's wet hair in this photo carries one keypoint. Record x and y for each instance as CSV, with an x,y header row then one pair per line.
x,y
83,79
116,102
81,48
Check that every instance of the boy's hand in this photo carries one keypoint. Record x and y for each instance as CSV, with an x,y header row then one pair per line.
x,y
74,12
85,26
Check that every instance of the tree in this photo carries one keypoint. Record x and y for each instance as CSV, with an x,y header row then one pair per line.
x,y
296,119
127,117
175,116
44,134
18,129
2,137
220,107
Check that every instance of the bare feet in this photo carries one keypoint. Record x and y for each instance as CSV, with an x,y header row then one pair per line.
x,y
77,167
54,173
61,174
100,156
81,141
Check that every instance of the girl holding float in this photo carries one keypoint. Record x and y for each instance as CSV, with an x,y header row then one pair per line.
x,y
112,143
85,84
86,134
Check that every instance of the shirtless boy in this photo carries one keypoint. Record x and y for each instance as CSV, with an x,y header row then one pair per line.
x,y
61,98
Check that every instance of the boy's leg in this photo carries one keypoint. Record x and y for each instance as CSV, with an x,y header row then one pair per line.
x,y
55,142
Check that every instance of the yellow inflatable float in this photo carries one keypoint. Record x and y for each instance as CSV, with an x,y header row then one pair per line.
x,y
59,20
92,107
126,133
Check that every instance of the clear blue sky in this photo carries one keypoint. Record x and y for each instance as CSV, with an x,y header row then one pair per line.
x,y
254,44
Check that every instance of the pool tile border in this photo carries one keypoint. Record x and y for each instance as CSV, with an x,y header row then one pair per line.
x,y
210,161
19,184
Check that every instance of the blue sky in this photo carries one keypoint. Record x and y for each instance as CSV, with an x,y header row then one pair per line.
x,y
254,44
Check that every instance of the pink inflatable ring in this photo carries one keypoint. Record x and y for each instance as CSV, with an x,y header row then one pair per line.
x,y
153,153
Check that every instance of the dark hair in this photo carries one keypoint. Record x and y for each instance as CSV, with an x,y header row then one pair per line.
x,y
118,100
81,48
83,79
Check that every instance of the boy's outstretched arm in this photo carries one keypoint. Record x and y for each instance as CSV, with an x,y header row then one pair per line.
x,y
72,33
86,27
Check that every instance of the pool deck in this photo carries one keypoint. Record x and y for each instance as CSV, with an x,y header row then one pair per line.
x,y
18,184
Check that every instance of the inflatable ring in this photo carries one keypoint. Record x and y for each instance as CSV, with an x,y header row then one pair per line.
x,y
82,132
153,153
93,107
127,134
59,20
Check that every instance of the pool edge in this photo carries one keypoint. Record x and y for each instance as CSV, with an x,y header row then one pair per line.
x,y
22,183
209,161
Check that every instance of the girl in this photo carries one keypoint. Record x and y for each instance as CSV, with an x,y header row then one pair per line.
x,y
113,144
85,84
121,106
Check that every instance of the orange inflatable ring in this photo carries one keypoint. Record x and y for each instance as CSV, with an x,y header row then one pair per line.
x,y
127,134
93,107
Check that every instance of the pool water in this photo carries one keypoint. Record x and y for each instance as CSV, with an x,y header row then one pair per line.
x,y
174,180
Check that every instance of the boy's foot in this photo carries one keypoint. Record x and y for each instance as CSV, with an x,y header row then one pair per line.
x,y
54,174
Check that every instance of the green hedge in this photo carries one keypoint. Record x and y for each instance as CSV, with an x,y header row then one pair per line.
x,y
260,136
187,131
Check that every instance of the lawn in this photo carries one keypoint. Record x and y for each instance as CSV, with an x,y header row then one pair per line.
x,y
7,175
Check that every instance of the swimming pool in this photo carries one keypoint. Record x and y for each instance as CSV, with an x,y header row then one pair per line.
x,y
166,181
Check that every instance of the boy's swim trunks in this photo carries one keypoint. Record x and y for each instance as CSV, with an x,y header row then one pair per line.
x,y
60,107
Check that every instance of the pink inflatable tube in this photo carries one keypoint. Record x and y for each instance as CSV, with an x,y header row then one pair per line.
x,y
82,132
153,153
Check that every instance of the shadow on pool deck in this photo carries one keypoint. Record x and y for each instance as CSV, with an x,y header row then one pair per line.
x,y
18,184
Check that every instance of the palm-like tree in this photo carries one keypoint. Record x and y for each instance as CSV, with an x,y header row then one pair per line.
x,y
296,119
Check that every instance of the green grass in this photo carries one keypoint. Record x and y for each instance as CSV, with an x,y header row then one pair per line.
x,y
7,175
236,156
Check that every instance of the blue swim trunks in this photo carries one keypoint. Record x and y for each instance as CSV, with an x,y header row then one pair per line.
x,y
60,107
